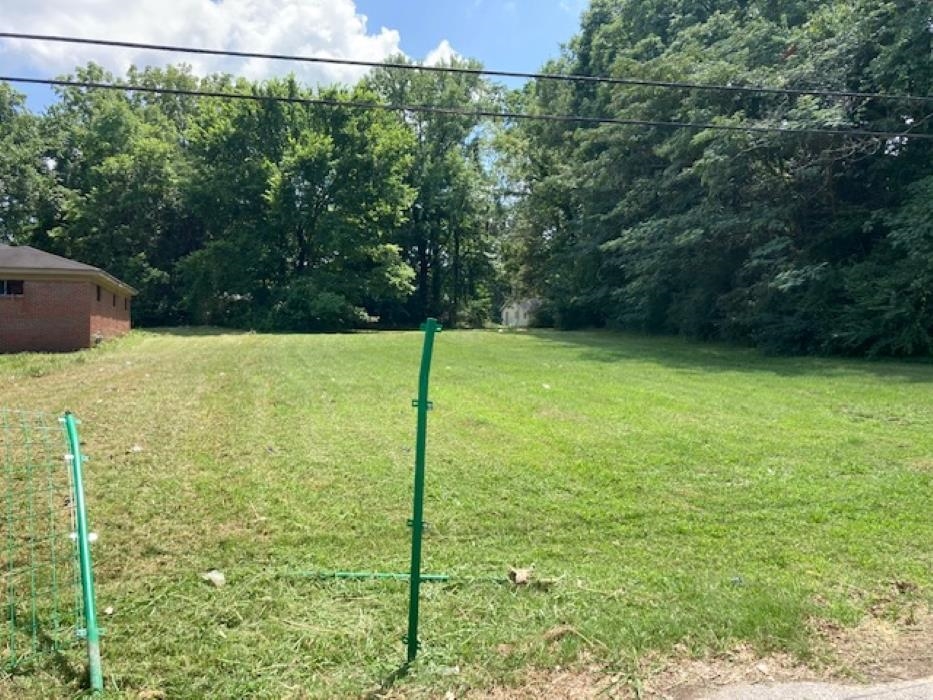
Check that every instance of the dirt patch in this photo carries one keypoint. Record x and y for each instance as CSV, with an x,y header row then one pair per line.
x,y
692,678
881,649
554,685
877,650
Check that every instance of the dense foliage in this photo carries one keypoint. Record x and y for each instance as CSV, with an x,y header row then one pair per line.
x,y
286,216
278,216
795,243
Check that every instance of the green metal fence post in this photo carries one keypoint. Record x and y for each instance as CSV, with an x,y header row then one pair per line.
x,y
84,556
431,327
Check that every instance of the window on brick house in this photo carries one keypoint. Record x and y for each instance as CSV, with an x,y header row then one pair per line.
x,y
114,300
98,292
11,288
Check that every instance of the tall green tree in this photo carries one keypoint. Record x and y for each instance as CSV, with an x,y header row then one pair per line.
x,y
27,185
784,241
123,172
446,239
308,199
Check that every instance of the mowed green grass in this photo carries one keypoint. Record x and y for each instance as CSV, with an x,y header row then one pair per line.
x,y
679,494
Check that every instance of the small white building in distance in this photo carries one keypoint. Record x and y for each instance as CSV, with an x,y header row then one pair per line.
x,y
518,314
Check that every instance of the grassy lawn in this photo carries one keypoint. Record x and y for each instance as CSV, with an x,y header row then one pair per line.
x,y
680,494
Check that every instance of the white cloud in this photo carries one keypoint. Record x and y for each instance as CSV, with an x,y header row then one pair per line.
x,y
442,53
329,28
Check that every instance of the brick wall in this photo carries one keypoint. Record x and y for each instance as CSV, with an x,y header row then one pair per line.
x,y
60,316
110,313
49,316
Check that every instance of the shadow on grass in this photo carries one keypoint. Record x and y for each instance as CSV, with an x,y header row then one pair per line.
x,y
52,652
385,685
699,357
674,352
206,331
194,331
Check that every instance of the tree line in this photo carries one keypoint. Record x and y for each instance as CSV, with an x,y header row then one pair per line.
x,y
308,217
806,243
261,214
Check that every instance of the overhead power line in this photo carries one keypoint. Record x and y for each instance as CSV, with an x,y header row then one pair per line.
x,y
562,77
437,109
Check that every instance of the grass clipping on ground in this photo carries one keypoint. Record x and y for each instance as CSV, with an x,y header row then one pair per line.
x,y
680,501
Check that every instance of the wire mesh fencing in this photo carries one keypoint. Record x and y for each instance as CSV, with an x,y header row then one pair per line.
x,y
41,586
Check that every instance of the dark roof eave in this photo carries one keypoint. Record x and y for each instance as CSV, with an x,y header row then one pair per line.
x,y
52,275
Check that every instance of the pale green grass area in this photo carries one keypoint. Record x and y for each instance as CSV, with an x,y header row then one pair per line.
x,y
680,493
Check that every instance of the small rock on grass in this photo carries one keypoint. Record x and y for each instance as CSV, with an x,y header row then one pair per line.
x,y
526,578
520,577
215,578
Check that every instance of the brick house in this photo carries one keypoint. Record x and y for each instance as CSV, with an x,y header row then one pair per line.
x,y
50,303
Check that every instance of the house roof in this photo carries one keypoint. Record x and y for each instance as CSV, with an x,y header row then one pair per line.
x,y
26,262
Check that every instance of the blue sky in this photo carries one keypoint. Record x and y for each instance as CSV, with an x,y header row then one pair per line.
x,y
504,34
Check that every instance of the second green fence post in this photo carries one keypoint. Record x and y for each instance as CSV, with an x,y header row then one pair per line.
x,y
431,327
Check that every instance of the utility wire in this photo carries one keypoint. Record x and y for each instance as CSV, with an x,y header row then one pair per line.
x,y
436,109
562,77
